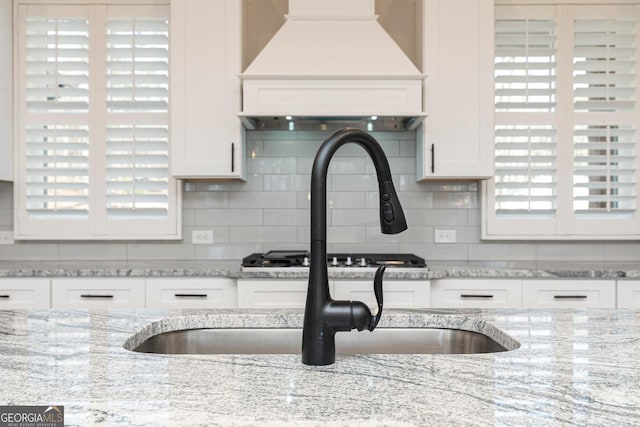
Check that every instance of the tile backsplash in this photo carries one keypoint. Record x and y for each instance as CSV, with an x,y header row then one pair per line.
x,y
271,211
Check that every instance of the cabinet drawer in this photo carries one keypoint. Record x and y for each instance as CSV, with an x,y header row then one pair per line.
x,y
396,293
568,293
192,293
266,293
629,294
98,293
472,293
24,293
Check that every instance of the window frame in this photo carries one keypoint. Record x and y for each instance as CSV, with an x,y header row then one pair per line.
x,y
98,225
564,225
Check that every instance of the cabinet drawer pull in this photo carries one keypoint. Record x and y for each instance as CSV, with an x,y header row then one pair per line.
x,y
5,296
233,157
569,297
90,296
433,158
190,295
476,296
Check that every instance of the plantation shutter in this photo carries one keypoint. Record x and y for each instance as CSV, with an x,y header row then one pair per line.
x,y
604,92
93,145
566,123
525,177
137,136
54,133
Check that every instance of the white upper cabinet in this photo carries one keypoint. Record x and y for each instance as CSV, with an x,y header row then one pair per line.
x,y
456,138
6,122
206,134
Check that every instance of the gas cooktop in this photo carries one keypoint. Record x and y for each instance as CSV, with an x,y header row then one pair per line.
x,y
289,259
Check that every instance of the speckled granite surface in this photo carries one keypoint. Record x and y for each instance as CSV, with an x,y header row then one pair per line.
x,y
575,367
557,269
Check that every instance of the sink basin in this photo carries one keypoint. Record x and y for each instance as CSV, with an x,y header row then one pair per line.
x,y
289,341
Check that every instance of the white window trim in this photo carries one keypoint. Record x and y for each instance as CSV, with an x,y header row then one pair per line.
x,y
563,226
96,228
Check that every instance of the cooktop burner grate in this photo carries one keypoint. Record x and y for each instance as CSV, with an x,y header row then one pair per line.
x,y
292,258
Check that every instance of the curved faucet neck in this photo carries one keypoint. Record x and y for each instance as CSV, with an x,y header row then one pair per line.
x,y
321,167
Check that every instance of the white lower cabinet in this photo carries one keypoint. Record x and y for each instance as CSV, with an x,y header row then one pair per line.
x,y
568,293
98,293
396,293
476,293
18,293
206,292
272,293
283,293
628,294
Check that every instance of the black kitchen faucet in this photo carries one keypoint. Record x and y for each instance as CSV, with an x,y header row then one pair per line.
x,y
323,316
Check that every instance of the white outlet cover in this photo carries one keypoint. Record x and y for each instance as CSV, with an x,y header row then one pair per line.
x,y
202,237
444,236
6,238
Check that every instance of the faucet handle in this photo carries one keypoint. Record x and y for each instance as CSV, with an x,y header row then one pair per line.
x,y
377,290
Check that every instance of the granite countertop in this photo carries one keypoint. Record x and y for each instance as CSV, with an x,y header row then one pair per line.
x,y
436,270
574,367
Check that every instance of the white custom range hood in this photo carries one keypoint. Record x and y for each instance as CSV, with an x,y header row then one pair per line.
x,y
332,65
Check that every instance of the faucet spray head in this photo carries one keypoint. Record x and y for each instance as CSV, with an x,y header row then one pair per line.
x,y
392,220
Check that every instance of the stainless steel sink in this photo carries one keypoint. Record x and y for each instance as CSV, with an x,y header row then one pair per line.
x,y
289,341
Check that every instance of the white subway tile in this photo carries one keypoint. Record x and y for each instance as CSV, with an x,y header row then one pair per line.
x,y
232,251
286,217
570,251
345,200
228,217
500,251
278,200
263,165
29,251
341,217
263,234
346,234
160,251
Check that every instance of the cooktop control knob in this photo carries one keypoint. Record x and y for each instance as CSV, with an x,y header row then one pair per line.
x,y
334,262
305,262
349,262
363,262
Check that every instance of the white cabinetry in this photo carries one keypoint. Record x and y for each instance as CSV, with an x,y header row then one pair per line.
x,y
396,293
629,294
6,123
476,293
98,293
210,292
287,293
272,293
17,293
568,293
206,134
456,138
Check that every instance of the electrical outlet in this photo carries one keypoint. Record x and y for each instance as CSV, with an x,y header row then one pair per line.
x,y
202,237
444,236
6,237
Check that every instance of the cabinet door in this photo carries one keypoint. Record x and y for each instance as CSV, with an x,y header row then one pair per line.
x,y
456,138
206,134
568,293
210,292
397,293
476,293
24,293
629,294
6,123
97,293
272,293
